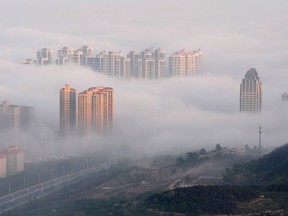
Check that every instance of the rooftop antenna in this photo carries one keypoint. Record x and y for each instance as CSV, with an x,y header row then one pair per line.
x,y
260,141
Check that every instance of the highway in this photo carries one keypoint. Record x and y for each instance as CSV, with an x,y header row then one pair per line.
x,y
12,200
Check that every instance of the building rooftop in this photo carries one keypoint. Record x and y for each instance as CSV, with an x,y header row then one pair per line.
x,y
251,74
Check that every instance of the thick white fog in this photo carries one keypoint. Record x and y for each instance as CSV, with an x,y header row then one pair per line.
x,y
169,115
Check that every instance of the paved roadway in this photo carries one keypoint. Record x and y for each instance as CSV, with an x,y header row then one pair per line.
x,y
12,200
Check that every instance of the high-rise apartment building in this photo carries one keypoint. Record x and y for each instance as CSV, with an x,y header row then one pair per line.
x,y
251,92
27,116
15,117
68,110
44,56
159,56
110,63
3,165
87,52
15,160
184,63
95,110
148,64
67,55
64,55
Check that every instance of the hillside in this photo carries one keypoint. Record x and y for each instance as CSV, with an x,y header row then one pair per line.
x,y
270,169
201,199
124,190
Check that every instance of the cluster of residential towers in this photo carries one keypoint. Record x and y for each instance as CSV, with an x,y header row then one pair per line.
x,y
92,109
91,113
147,64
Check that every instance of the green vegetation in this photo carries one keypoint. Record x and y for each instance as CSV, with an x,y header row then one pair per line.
x,y
191,159
270,169
264,191
201,199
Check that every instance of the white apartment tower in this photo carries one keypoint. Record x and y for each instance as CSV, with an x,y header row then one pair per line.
x,y
44,56
110,63
251,92
68,55
64,55
68,110
184,63
149,64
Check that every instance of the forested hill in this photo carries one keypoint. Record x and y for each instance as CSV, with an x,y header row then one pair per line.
x,y
270,169
201,199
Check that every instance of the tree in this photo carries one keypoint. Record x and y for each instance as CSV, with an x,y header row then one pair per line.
x,y
202,151
218,147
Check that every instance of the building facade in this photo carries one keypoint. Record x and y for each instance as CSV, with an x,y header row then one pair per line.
x,y
184,63
11,161
111,63
44,56
15,117
3,165
148,64
67,55
15,160
251,92
68,110
95,111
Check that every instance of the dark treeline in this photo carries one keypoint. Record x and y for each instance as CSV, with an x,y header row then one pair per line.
x,y
201,199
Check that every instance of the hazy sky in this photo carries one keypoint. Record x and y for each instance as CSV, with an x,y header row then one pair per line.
x,y
172,114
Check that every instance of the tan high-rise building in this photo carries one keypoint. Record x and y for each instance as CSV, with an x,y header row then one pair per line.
x,y
251,92
68,110
95,110
3,165
184,63
15,160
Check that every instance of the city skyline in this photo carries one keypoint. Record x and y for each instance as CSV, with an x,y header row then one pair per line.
x,y
165,114
146,64
126,97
